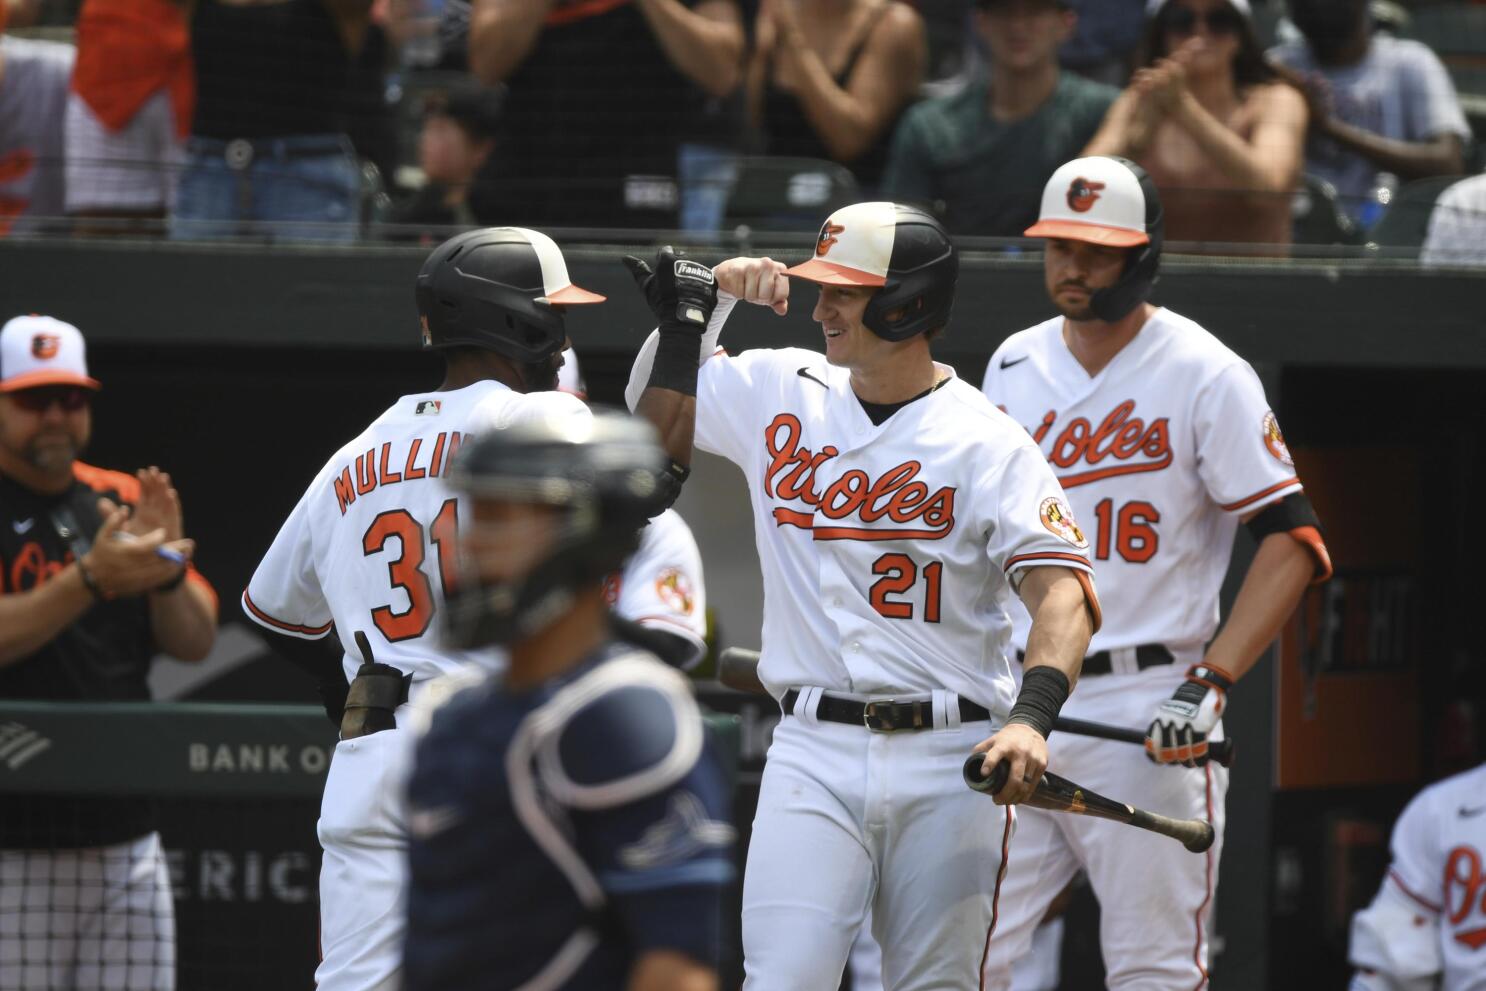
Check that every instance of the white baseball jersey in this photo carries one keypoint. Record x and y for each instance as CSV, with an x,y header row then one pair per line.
x,y
661,584
889,552
1428,921
1160,454
372,544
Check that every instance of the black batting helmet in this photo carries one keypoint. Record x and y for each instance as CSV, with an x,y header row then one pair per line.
x,y
900,249
498,288
1107,200
602,473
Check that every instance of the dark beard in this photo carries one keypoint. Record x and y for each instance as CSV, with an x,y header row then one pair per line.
x,y
541,376
52,458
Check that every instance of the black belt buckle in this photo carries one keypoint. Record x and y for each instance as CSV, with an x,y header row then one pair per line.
x,y
887,715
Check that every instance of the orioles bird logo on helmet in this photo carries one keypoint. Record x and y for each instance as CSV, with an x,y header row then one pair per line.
x,y
828,237
46,345
1083,194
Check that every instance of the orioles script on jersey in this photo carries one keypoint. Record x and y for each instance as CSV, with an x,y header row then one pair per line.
x,y
896,495
1120,436
381,467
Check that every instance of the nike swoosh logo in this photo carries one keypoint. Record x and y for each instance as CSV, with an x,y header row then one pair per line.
x,y
804,373
1469,813
1008,362
23,526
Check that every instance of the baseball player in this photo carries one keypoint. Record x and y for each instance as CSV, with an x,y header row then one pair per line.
x,y
370,551
1165,443
660,589
570,825
897,513
1426,929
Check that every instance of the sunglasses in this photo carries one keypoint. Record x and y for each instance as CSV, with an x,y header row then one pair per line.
x,y
70,398
1184,20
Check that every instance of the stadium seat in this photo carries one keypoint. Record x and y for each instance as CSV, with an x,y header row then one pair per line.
x,y
788,193
1317,216
1407,220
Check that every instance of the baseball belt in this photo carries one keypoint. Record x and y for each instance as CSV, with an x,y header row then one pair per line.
x,y
1147,655
882,715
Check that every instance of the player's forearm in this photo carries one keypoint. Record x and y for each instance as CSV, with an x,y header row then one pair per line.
x,y
502,34
674,416
705,43
1405,159
1062,620
31,620
184,621
666,970
1277,578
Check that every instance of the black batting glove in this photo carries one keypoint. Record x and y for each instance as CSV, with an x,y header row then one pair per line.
x,y
681,293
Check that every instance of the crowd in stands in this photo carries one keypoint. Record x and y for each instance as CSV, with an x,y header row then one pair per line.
x,y
328,119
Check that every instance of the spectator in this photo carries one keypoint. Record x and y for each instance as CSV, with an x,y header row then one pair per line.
x,y
829,79
985,153
1220,135
129,112
1105,43
97,580
277,94
602,98
1457,227
33,97
457,138
1378,104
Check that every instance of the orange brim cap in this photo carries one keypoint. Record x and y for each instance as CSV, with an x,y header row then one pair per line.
x,y
1115,237
35,380
830,274
571,295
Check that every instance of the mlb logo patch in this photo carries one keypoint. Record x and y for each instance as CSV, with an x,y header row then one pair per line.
x,y
46,345
427,407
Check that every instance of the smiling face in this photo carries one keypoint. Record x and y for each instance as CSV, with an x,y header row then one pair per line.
x,y
839,312
1074,270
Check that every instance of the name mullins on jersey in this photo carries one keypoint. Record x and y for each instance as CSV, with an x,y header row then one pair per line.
x,y
372,469
896,494
1119,435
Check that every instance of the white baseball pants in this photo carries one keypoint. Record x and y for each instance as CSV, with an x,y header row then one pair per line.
x,y
849,818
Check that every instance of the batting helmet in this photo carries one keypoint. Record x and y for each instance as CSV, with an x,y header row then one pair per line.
x,y
603,475
1112,201
498,288
900,249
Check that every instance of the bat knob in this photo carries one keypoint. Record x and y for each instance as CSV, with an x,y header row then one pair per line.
x,y
1200,844
987,783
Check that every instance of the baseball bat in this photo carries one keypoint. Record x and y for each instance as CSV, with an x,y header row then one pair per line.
x,y
737,668
1057,794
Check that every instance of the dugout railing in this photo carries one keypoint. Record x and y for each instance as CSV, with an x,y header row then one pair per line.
x,y
237,792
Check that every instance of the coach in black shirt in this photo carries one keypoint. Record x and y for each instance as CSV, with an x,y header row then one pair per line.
x,y
95,579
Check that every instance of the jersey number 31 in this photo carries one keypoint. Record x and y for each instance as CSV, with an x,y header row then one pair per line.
x,y
406,570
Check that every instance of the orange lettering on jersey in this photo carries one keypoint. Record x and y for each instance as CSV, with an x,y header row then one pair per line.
x,y
366,472
409,473
385,477
455,438
1465,892
897,494
438,456
30,567
1119,436
345,494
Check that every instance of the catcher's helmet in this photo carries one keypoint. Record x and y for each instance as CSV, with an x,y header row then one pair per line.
x,y
1113,201
498,288
900,248
602,473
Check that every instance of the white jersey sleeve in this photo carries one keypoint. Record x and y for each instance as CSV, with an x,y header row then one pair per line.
x,y
1034,525
661,585
1241,455
496,413
285,594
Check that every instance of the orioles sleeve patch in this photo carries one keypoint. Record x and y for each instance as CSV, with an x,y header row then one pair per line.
x,y
1058,518
1274,441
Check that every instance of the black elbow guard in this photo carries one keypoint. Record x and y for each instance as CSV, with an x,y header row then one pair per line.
x,y
1294,515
